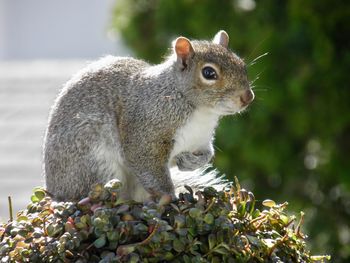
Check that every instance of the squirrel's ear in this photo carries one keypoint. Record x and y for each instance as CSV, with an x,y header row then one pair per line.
x,y
184,50
221,38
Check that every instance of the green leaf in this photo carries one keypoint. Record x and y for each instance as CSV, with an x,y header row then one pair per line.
x,y
178,245
195,212
212,241
269,203
216,260
134,258
39,194
125,250
209,218
179,220
22,218
53,229
85,219
182,231
34,199
168,256
256,213
80,225
221,250
112,235
100,242
186,259
220,236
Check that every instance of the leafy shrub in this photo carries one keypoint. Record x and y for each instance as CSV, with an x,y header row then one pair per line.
x,y
206,226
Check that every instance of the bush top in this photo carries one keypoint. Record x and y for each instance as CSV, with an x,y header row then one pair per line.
x,y
207,226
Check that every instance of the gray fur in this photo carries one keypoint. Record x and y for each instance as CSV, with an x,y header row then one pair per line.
x,y
118,118
187,161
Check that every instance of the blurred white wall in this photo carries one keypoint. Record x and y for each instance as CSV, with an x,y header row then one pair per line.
x,y
42,43
2,29
56,29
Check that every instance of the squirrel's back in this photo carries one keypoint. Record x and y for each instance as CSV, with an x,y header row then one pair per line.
x,y
82,134
94,89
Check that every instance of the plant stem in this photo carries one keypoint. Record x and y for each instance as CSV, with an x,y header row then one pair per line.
x,y
10,208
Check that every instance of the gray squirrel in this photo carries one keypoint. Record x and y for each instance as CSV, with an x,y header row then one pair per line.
x,y
126,119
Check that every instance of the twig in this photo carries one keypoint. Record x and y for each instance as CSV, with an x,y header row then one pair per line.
x,y
10,208
210,205
278,242
298,229
155,229
123,250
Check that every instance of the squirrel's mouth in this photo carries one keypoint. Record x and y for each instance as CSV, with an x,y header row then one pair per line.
x,y
243,108
229,107
227,111
237,103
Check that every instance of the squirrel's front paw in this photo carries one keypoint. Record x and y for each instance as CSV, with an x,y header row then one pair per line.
x,y
187,161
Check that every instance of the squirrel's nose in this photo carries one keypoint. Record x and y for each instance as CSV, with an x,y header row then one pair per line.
x,y
247,97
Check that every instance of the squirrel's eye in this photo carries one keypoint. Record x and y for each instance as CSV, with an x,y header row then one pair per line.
x,y
209,73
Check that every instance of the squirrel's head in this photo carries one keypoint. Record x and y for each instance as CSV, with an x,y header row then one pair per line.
x,y
215,76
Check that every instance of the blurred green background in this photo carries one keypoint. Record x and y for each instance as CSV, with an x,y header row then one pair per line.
x,y
294,141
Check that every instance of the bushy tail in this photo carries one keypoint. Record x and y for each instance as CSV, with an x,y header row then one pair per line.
x,y
198,179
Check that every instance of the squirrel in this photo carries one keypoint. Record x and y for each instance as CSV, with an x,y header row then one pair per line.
x,y
122,118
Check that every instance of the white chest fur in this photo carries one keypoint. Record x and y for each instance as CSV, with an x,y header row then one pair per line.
x,y
197,133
